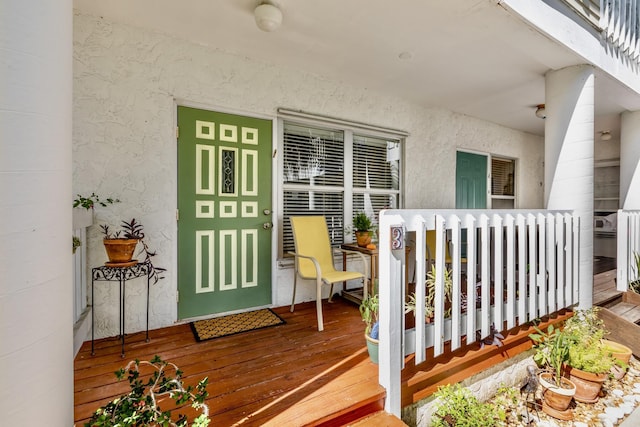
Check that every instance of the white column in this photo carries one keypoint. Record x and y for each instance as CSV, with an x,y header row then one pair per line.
x,y
569,99
630,160
36,325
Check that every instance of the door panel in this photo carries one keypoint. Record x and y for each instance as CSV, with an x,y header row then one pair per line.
x,y
224,201
471,181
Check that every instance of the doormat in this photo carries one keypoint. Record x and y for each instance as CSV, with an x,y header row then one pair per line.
x,y
235,324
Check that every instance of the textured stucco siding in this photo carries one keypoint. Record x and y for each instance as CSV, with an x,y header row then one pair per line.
x,y
127,83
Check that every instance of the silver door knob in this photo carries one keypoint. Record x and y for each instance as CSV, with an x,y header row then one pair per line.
x,y
267,225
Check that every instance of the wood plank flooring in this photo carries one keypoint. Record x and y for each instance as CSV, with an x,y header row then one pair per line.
x,y
289,375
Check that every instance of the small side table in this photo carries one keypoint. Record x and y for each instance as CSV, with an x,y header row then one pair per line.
x,y
356,295
120,275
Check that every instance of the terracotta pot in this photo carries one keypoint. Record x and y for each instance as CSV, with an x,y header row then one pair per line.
x,y
372,347
620,352
588,385
558,398
120,250
363,238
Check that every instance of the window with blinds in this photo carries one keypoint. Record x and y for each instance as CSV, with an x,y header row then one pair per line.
x,y
336,173
503,185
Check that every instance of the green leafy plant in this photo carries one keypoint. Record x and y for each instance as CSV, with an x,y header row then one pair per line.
x,y
135,230
141,406
369,313
361,222
430,283
551,351
76,243
89,202
457,406
587,352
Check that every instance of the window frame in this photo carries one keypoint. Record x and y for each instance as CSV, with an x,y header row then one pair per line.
x,y
348,190
492,196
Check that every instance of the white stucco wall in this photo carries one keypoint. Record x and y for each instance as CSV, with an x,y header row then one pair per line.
x,y
126,83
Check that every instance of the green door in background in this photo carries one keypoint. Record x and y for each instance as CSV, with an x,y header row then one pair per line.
x,y
224,212
471,186
471,181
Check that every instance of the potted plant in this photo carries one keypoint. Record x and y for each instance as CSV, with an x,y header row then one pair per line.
x,y
363,227
369,313
141,406
430,283
589,362
121,244
551,351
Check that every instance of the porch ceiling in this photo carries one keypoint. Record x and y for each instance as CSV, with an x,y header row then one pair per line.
x,y
469,56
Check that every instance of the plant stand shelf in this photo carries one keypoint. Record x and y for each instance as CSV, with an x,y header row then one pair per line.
x,y
121,275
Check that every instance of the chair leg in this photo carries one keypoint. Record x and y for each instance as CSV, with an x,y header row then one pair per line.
x,y
319,303
331,293
293,299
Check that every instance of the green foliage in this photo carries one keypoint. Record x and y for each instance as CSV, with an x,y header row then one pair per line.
x,y
140,406
551,350
457,406
587,352
590,357
506,400
135,230
411,304
361,222
76,243
90,201
369,311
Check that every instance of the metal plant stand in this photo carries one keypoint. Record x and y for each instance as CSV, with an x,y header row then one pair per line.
x,y
120,275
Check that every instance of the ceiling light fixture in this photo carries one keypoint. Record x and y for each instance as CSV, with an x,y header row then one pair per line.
x,y
268,16
541,113
605,135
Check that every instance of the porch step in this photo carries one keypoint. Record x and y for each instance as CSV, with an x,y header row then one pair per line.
x,y
621,321
379,419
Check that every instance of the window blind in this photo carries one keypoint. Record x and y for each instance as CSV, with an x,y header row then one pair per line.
x,y
502,177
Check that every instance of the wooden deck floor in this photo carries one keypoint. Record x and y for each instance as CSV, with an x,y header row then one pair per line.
x,y
288,375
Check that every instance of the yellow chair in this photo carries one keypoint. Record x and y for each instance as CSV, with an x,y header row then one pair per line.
x,y
314,259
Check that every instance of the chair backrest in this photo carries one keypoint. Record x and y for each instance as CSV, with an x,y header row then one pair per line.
x,y
311,238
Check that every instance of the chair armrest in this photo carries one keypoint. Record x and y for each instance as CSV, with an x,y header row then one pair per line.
x,y
315,262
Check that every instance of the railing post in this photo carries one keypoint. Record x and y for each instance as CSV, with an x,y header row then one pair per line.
x,y
391,296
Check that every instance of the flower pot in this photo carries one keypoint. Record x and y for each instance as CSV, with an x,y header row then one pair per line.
x,y
372,347
363,238
120,251
588,385
619,352
557,399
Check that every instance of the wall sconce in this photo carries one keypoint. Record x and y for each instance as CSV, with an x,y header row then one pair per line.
x,y
605,135
268,16
541,112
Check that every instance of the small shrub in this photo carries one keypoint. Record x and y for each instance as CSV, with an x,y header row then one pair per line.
x,y
457,406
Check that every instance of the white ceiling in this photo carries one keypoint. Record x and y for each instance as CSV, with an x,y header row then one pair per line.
x,y
469,56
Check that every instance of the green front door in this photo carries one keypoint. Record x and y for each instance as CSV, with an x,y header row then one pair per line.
x,y
471,181
224,212
471,186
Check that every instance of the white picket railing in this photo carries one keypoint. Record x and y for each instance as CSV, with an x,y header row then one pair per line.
x,y
628,235
529,258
